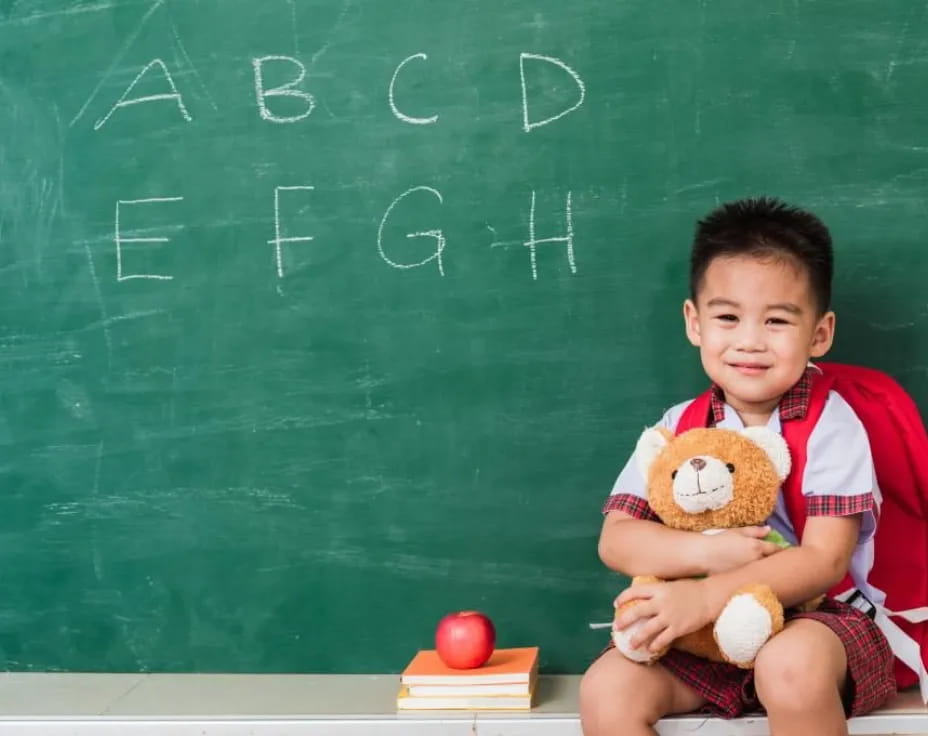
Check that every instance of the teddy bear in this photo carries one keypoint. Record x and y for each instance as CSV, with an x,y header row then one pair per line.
x,y
709,480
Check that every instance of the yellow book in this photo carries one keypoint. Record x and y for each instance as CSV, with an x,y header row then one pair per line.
x,y
405,701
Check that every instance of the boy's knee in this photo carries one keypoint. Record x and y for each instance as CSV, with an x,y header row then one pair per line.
x,y
797,672
602,685
616,690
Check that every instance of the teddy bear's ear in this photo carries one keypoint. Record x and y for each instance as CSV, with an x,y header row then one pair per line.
x,y
774,445
649,446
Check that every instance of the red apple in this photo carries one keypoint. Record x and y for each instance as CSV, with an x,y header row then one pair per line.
x,y
465,639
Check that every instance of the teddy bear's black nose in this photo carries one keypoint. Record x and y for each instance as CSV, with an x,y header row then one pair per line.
x,y
698,463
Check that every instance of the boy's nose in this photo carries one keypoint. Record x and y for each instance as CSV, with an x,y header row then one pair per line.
x,y
698,463
750,338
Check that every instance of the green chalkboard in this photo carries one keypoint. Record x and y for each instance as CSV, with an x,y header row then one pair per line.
x,y
321,319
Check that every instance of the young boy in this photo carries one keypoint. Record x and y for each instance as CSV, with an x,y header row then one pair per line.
x,y
760,290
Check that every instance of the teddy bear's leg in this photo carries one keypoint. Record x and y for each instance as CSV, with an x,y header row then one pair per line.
x,y
749,619
622,639
700,643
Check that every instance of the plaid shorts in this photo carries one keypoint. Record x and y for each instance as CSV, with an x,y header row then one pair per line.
x,y
729,690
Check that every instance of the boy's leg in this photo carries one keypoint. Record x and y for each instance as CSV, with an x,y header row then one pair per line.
x,y
800,677
621,697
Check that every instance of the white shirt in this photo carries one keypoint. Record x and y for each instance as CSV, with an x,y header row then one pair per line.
x,y
839,478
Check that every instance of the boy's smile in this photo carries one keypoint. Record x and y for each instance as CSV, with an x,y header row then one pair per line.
x,y
756,325
750,369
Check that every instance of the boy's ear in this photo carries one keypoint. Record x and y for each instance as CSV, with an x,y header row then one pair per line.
x,y
823,335
691,321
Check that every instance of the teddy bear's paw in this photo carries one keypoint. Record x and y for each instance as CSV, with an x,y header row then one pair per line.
x,y
622,640
743,627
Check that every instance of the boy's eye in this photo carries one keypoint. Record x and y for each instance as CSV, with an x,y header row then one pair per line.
x,y
777,321
726,317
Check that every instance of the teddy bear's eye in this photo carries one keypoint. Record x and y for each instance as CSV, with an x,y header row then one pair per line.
x,y
673,475
731,468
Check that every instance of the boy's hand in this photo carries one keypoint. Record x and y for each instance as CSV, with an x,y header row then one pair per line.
x,y
734,548
672,608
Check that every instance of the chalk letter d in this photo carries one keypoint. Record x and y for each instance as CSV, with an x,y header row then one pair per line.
x,y
527,124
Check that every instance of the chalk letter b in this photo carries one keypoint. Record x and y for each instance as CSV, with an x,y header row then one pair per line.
x,y
283,90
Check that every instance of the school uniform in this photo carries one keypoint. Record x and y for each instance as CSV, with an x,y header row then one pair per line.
x,y
838,480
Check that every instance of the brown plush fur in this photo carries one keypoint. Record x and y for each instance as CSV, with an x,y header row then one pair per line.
x,y
756,482
756,485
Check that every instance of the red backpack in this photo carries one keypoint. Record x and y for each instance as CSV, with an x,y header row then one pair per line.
x,y
899,445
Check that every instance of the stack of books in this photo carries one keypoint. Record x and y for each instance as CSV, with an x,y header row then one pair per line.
x,y
507,682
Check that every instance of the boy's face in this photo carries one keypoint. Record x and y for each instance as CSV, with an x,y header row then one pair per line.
x,y
756,325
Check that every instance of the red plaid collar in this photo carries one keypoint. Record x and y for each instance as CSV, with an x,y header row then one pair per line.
x,y
793,405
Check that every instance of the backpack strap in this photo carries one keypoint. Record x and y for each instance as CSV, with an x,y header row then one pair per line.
x,y
696,415
796,432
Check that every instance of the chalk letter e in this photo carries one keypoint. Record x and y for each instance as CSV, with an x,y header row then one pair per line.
x,y
119,239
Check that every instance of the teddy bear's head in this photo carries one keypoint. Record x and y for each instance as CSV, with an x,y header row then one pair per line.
x,y
713,478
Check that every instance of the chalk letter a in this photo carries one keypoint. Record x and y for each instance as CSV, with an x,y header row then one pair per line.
x,y
126,101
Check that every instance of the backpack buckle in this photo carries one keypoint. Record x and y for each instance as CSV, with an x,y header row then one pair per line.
x,y
856,599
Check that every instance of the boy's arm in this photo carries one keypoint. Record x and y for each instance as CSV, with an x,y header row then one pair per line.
x,y
799,573
796,575
640,547
636,546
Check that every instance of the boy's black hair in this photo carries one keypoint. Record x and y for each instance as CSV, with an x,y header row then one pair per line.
x,y
765,227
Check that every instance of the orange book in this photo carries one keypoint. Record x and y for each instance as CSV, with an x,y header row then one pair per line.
x,y
516,665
